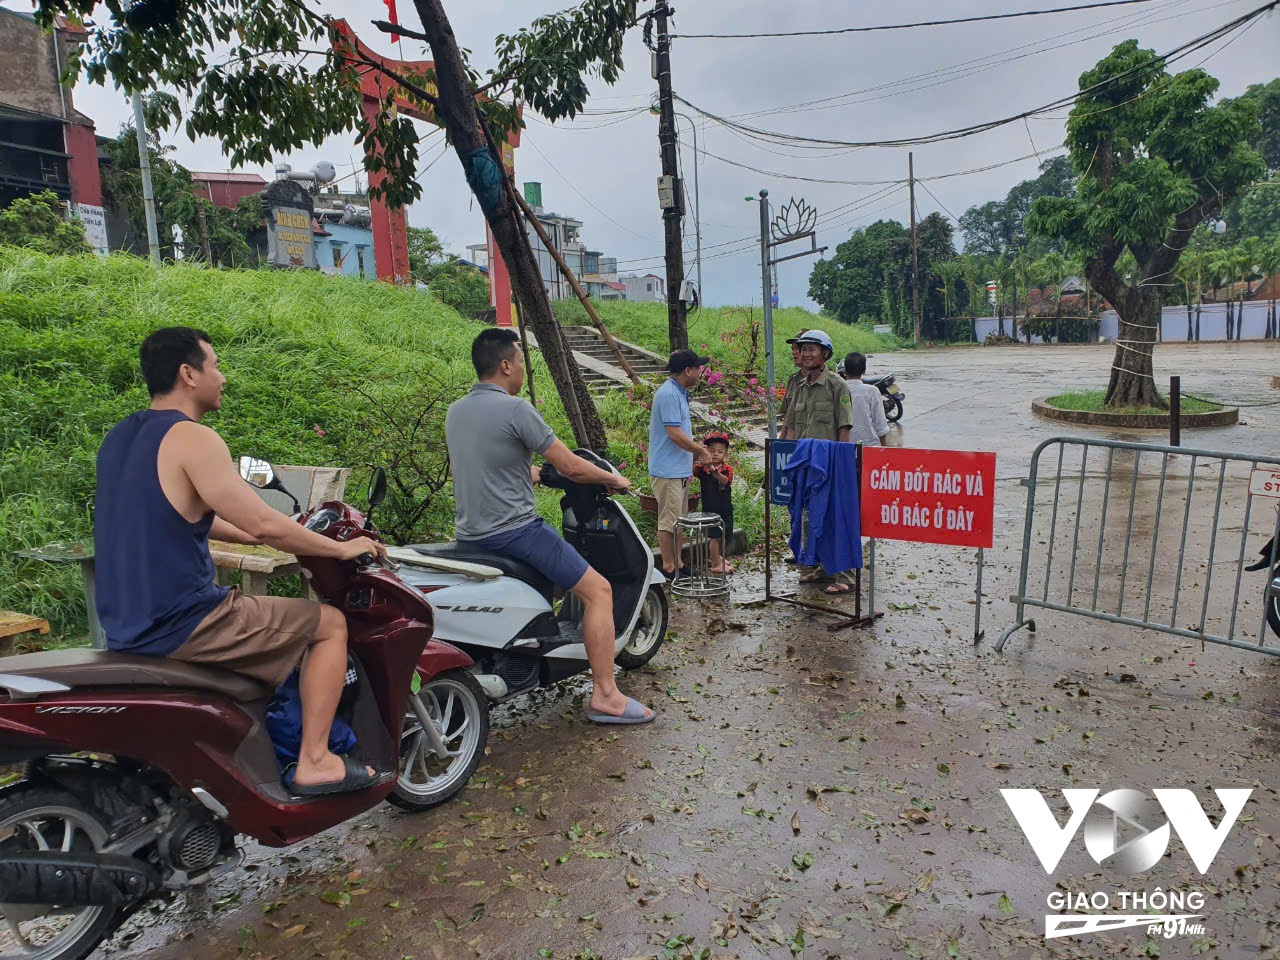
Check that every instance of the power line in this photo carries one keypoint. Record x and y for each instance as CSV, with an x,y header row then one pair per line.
x,y
585,199
926,189
999,58
905,26
1177,53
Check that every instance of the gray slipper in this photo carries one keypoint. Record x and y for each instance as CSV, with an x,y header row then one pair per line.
x,y
633,714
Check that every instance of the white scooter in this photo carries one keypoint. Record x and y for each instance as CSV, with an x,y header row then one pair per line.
x,y
504,613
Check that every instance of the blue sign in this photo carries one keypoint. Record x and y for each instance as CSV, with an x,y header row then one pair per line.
x,y
780,452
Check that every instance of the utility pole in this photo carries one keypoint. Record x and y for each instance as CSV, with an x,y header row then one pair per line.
x,y
148,192
204,234
670,191
915,249
766,304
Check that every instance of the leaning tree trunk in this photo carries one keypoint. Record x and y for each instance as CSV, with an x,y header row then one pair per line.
x,y
1132,378
1189,315
456,108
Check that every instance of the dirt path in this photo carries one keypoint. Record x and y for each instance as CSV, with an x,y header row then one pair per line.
x,y
808,794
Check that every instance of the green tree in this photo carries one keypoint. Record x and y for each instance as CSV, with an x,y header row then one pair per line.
x,y
1257,213
997,226
450,281
176,202
1266,98
1269,261
857,280
1155,159
1052,269
948,274
38,222
1190,267
292,78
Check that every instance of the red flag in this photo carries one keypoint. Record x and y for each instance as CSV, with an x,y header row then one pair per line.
x,y
391,12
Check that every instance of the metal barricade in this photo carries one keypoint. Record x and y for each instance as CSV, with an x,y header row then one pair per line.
x,y
697,531
1148,536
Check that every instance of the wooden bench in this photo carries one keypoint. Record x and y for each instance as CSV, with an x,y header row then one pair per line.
x,y
14,624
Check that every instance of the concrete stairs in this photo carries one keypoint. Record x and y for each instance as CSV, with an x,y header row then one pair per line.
x,y
586,342
601,373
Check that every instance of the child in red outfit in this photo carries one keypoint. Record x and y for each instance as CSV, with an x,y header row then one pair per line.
x,y
716,477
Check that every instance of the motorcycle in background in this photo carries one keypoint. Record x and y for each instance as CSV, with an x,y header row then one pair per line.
x,y
140,772
890,393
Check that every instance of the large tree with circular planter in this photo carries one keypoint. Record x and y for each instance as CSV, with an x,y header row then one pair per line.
x,y
1155,157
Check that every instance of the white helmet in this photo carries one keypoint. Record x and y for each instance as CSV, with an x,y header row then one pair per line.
x,y
815,336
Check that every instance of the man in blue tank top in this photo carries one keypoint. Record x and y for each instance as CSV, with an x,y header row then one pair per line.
x,y
166,484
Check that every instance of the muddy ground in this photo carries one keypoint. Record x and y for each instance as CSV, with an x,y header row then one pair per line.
x,y
814,794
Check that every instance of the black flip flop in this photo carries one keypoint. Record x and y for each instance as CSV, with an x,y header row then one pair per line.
x,y
355,778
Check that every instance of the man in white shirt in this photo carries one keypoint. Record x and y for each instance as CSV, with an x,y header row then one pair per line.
x,y
869,424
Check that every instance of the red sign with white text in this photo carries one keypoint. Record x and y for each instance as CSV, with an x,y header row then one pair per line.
x,y
928,496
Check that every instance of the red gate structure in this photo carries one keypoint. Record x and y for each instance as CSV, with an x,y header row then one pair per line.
x,y
390,233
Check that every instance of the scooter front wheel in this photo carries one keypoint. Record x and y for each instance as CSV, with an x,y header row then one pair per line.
x,y
892,409
458,712
649,632
35,818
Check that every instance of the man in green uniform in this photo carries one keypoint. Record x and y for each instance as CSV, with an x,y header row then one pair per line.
x,y
789,391
818,408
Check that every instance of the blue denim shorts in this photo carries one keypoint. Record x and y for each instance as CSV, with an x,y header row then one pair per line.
x,y
538,545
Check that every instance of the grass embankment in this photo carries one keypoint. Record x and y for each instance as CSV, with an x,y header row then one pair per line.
x,y
297,348
323,371
645,324
1092,401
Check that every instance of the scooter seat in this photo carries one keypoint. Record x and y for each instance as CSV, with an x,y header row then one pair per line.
x,y
509,566
104,668
876,381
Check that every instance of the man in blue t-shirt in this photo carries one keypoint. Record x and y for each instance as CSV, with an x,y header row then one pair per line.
x,y
672,450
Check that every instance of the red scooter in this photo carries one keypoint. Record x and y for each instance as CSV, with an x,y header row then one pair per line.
x,y
140,772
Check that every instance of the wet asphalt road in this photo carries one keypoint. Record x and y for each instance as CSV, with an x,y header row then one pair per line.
x,y
813,794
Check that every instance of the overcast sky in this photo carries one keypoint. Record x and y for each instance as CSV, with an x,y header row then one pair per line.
x,y
602,168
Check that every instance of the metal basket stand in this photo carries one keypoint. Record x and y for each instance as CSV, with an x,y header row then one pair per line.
x,y
697,530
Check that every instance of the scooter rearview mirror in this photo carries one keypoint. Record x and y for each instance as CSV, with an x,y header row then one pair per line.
x,y
260,474
257,473
377,487
377,494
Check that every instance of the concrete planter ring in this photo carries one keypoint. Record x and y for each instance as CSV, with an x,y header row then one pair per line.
x,y
1134,421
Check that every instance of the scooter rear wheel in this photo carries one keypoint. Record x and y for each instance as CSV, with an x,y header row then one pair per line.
x,y
44,818
649,632
892,409
459,710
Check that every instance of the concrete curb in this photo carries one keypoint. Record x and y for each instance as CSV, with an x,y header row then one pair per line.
x,y
1217,418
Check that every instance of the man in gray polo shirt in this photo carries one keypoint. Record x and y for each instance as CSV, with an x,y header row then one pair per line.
x,y
492,435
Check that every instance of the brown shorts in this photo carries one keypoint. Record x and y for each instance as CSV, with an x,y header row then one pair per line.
x,y
672,495
259,637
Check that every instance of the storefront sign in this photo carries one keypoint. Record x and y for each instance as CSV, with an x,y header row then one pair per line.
x,y
928,496
290,242
94,219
